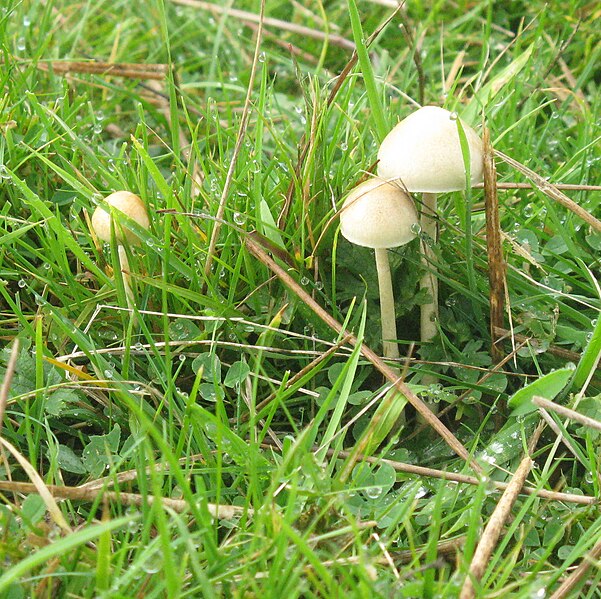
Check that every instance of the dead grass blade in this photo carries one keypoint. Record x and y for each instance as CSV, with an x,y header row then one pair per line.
x,y
466,479
112,69
567,586
224,512
494,248
8,377
257,250
551,191
566,186
497,520
38,486
493,529
566,412
250,17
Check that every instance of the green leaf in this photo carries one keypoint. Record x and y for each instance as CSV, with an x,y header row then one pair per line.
x,y
270,228
589,359
547,386
97,454
33,508
211,392
236,374
68,460
210,364
57,401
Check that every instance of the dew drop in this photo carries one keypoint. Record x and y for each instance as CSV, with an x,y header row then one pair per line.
x,y
22,283
239,218
373,492
262,57
453,116
21,44
416,228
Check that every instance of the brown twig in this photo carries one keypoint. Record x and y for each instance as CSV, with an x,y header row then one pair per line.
x,y
566,186
74,493
255,248
8,377
250,17
497,520
466,479
560,352
551,191
494,248
567,586
566,412
114,69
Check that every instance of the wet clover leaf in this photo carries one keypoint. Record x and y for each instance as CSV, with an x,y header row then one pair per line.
x,y
99,453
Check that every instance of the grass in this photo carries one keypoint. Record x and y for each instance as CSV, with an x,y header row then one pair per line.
x,y
140,425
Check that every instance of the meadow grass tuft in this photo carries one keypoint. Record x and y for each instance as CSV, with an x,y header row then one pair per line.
x,y
200,443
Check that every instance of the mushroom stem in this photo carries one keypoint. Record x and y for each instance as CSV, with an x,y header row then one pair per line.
x,y
125,276
429,282
387,313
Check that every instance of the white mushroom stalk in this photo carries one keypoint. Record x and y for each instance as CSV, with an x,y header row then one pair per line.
x,y
380,215
102,222
423,154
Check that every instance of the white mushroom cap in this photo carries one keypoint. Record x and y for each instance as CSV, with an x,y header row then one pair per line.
x,y
378,214
423,152
128,203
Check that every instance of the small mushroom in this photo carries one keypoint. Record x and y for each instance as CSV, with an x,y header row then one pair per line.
x,y
104,225
423,154
380,215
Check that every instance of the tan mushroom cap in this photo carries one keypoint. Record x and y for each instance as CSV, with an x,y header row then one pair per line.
x,y
378,214
128,203
423,152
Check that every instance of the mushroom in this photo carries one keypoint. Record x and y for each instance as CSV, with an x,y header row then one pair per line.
x,y
423,154
104,225
380,215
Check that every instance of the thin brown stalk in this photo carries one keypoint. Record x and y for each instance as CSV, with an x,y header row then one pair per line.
x,y
76,494
255,248
250,17
466,479
551,191
114,69
494,527
239,140
560,352
446,549
566,186
8,377
37,485
494,247
567,586
566,412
